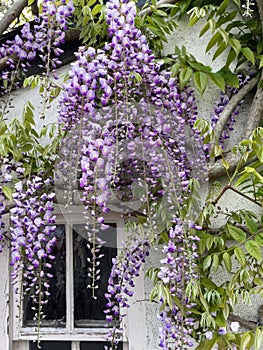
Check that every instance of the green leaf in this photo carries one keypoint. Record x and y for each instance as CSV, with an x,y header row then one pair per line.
x,y
28,113
251,224
215,264
204,29
208,284
210,24
248,53
218,80
258,339
213,41
207,262
259,239
200,80
175,69
208,344
185,76
231,57
260,46
3,127
253,249
217,151
236,233
7,192
261,62
235,43
220,319
240,255
91,3
221,48
227,261
231,78
224,35
245,341
223,7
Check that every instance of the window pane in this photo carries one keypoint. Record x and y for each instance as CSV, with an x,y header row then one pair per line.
x,y
95,345
51,345
87,310
55,309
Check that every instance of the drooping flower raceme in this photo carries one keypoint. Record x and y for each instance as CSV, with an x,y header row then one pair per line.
x,y
178,271
43,39
126,267
32,225
134,127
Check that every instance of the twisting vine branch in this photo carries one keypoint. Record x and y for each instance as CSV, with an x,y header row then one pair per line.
x,y
12,13
243,323
232,104
256,111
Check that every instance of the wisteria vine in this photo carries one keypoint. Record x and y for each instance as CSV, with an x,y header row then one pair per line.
x,y
134,127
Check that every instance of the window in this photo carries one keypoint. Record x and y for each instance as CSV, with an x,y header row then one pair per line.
x,y
73,319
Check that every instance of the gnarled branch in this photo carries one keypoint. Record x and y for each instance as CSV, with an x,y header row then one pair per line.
x,y
243,323
12,13
255,113
228,110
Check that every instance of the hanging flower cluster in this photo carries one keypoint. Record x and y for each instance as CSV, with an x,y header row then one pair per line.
x,y
177,272
135,129
9,170
126,268
32,225
41,39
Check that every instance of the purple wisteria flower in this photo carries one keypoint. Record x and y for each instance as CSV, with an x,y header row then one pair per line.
x,y
126,268
43,38
178,271
32,225
134,127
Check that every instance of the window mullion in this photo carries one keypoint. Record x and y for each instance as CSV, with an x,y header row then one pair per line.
x,y
75,345
69,279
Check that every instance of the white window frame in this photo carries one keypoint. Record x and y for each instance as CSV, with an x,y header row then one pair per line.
x,y
134,325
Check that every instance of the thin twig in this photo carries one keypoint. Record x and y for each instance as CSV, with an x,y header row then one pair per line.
x,y
229,187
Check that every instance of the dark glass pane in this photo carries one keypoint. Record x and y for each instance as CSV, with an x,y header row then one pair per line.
x,y
87,310
95,345
51,345
55,309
